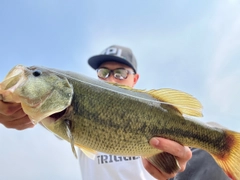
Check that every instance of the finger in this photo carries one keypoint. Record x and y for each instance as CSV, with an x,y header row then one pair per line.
x,y
9,108
182,153
17,115
171,147
25,126
185,158
19,124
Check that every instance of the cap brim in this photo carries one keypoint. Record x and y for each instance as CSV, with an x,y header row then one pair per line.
x,y
96,61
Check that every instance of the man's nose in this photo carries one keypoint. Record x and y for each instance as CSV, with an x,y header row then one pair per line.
x,y
111,78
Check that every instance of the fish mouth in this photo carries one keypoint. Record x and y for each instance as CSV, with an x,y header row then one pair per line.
x,y
13,76
13,79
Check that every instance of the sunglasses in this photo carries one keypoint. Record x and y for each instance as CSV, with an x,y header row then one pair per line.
x,y
119,73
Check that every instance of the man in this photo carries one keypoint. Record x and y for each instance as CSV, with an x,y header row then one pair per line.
x,y
117,64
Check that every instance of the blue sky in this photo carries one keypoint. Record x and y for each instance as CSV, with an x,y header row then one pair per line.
x,y
188,45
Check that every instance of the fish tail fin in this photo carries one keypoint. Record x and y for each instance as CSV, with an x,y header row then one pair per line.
x,y
230,161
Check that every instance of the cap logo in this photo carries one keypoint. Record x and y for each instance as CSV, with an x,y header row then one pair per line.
x,y
113,51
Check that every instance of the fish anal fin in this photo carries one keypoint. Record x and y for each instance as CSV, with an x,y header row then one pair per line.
x,y
164,162
90,153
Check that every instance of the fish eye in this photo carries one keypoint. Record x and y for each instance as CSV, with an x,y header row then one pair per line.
x,y
36,73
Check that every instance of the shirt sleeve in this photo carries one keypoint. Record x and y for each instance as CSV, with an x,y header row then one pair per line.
x,y
201,166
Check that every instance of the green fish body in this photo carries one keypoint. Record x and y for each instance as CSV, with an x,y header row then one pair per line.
x,y
98,116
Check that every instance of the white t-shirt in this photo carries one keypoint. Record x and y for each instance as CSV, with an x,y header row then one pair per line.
x,y
106,166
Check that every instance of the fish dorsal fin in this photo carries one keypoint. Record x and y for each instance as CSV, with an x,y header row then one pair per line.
x,y
90,153
185,103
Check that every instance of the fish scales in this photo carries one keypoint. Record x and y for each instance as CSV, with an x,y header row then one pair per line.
x,y
130,128
106,126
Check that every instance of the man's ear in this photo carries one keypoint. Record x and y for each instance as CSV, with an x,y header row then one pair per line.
x,y
136,77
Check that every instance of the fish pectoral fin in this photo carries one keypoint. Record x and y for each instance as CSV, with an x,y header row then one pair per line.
x,y
164,162
90,153
70,136
183,102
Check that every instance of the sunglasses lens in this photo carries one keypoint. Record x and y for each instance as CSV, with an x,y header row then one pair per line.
x,y
120,73
103,73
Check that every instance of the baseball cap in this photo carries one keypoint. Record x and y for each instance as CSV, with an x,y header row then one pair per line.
x,y
115,53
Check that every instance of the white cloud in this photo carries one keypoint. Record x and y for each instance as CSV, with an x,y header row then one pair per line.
x,y
224,73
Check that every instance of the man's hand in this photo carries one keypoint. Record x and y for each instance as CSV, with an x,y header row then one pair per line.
x,y
12,116
182,153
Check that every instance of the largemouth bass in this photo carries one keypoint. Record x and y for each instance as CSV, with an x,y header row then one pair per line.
x,y
98,116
